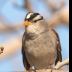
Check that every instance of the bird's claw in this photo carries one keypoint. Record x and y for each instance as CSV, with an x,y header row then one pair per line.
x,y
51,67
30,70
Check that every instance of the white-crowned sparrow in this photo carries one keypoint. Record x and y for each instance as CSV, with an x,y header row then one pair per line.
x,y
40,44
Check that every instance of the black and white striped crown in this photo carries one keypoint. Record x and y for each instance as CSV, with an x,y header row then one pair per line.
x,y
33,17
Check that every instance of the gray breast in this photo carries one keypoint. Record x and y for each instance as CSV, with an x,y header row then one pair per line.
x,y
41,52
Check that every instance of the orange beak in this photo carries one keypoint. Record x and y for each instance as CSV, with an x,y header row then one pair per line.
x,y
27,23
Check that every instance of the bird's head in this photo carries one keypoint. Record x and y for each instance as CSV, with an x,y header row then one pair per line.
x,y
34,23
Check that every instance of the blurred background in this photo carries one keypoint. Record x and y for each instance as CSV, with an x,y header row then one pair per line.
x,y
12,14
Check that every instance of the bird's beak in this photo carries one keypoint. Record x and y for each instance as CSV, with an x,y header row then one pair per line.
x,y
27,23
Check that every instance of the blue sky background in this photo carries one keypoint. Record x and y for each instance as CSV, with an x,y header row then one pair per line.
x,y
14,15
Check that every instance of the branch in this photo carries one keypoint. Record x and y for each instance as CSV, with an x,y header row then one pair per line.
x,y
28,5
54,5
48,70
58,66
11,46
61,64
61,17
12,28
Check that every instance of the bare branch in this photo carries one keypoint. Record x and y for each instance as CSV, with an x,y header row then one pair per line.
x,y
61,64
11,46
7,26
12,28
61,17
48,70
28,5
54,6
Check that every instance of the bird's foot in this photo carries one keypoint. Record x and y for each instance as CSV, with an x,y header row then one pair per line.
x,y
51,67
30,70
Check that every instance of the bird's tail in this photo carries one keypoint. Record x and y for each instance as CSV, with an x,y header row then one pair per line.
x,y
59,57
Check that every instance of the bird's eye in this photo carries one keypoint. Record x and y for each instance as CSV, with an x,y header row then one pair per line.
x,y
35,21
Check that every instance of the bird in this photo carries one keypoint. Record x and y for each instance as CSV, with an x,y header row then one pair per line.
x,y
41,46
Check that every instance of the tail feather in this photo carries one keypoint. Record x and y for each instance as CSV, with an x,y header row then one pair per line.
x,y
59,57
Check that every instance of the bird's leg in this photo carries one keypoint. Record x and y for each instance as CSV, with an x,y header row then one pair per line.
x,y
51,67
30,70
